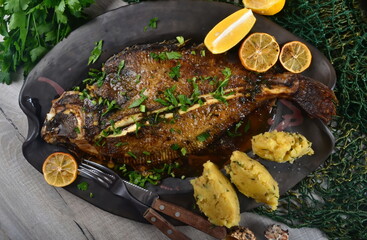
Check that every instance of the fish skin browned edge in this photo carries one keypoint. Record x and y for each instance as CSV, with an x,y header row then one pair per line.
x,y
220,91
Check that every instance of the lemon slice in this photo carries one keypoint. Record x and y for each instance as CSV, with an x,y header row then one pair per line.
x,y
60,169
265,7
230,31
259,52
295,57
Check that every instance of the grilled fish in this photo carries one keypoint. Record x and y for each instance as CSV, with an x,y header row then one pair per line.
x,y
157,102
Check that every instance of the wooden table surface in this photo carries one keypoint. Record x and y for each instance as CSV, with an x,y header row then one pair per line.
x,y
32,209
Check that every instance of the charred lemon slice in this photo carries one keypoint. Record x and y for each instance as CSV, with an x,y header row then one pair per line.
x,y
60,169
295,57
259,52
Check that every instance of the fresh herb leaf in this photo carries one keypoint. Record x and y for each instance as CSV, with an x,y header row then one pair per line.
x,y
96,52
173,55
183,151
142,108
165,55
180,40
111,106
202,53
175,72
227,72
140,100
236,133
31,28
132,154
83,186
219,93
175,146
162,101
120,67
137,78
203,136
77,130
160,56
120,144
152,24
95,76
146,153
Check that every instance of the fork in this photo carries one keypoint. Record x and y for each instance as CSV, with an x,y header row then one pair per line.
x,y
146,202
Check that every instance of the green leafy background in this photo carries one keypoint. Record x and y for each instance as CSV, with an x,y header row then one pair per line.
x,y
334,197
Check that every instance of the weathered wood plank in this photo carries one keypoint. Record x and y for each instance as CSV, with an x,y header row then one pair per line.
x,y
10,108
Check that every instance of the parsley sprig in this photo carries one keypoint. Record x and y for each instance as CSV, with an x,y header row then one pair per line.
x,y
31,28
219,93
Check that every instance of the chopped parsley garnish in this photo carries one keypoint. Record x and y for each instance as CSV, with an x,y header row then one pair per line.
x,y
83,186
203,136
152,24
140,100
111,105
175,72
175,146
96,52
180,40
120,67
219,93
115,131
173,55
120,144
153,176
202,53
95,76
166,55
77,130
183,151
132,154
137,78
184,101
170,99
142,108
236,133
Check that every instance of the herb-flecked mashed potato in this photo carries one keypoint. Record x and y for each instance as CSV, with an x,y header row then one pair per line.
x,y
281,146
216,197
253,179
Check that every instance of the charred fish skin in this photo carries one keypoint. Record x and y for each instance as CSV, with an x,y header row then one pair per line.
x,y
156,101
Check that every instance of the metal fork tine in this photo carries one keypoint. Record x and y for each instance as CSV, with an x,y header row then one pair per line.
x,y
90,174
110,179
100,167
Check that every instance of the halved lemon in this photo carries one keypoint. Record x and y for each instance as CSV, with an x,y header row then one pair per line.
x,y
60,169
230,31
259,52
264,7
295,57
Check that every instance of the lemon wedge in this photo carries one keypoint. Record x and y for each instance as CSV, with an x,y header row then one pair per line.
x,y
265,7
230,31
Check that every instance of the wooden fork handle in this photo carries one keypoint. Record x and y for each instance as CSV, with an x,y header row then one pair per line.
x,y
163,225
190,218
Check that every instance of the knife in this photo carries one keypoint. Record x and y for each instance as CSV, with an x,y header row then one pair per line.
x,y
181,214
148,203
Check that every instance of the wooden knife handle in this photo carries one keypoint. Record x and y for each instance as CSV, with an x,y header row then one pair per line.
x,y
165,227
190,218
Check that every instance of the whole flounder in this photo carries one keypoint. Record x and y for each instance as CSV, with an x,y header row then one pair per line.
x,y
157,102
